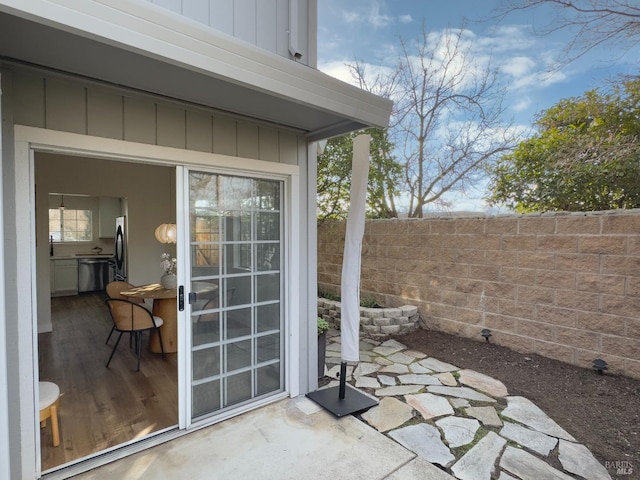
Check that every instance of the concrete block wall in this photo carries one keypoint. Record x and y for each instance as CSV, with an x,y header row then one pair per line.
x,y
563,285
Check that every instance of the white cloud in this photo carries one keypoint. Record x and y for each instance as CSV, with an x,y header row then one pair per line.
x,y
351,17
338,69
380,20
518,66
522,105
405,19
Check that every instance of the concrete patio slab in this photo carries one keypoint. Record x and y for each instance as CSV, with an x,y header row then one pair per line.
x,y
420,469
275,442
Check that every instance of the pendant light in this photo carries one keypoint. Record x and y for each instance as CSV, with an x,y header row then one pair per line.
x,y
61,202
166,233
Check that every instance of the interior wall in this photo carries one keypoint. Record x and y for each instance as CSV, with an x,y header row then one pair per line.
x,y
149,191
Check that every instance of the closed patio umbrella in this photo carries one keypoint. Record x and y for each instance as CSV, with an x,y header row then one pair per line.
x,y
337,400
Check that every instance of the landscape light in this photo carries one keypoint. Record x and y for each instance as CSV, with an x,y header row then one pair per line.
x,y
486,333
599,365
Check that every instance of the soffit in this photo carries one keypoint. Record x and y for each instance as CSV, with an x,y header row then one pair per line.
x,y
143,47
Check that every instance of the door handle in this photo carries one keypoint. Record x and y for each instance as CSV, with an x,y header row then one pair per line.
x,y
181,298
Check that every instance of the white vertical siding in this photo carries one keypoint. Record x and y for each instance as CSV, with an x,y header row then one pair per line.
x,y
264,23
197,10
267,25
220,16
244,20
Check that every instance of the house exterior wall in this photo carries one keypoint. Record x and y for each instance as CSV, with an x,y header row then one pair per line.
x,y
263,23
68,105
566,286
56,102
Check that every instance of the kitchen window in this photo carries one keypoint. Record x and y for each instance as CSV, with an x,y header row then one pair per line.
x,y
69,225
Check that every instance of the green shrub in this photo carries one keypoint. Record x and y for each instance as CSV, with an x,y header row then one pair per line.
x,y
323,325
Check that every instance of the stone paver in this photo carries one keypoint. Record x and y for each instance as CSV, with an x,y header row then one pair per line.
x,y
459,402
419,469
461,392
447,379
390,413
524,411
424,440
479,462
447,396
415,367
536,441
437,366
527,467
398,390
367,382
387,380
487,415
458,431
383,361
401,358
385,351
395,368
576,458
483,382
429,405
415,379
365,369
393,344
414,354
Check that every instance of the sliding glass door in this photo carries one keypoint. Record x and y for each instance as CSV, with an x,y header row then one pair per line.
x,y
236,294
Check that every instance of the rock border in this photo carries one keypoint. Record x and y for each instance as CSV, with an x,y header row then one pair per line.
x,y
377,323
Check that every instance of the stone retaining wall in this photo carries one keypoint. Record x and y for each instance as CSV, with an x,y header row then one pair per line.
x,y
566,286
378,323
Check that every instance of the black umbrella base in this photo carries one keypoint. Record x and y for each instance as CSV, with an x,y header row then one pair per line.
x,y
340,400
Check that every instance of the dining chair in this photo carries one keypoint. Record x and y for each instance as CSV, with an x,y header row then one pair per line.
x,y
113,291
214,303
133,318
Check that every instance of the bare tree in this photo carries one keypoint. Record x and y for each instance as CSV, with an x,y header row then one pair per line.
x,y
615,23
447,120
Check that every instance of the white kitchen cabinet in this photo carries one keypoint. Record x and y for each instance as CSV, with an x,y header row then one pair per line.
x,y
109,210
64,277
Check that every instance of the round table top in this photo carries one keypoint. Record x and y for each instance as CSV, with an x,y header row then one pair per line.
x,y
155,290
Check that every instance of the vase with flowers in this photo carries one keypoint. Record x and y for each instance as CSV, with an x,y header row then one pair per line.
x,y
168,264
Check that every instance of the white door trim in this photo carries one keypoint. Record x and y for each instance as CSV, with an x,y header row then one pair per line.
x,y
27,140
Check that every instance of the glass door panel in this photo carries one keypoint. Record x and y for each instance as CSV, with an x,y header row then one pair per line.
x,y
237,346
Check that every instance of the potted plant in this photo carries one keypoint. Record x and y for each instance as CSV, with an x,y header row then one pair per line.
x,y
323,326
169,265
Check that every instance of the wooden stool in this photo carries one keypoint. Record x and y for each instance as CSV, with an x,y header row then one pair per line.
x,y
49,403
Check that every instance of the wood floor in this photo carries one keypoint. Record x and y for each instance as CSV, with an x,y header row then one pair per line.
x,y
99,407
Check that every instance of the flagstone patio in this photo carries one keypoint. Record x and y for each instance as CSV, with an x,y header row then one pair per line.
x,y
463,422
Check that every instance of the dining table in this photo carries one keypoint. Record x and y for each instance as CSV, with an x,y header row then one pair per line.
x,y
165,306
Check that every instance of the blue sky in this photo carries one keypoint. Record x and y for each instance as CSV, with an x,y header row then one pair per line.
x,y
368,31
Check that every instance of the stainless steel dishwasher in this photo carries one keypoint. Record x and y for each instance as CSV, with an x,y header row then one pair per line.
x,y
93,274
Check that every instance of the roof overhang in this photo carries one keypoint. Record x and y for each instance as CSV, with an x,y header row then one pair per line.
x,y
140,46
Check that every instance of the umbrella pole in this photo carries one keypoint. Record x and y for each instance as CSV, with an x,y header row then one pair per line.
x,y
343,380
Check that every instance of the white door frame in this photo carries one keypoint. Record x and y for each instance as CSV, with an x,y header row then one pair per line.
x,y
28,140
